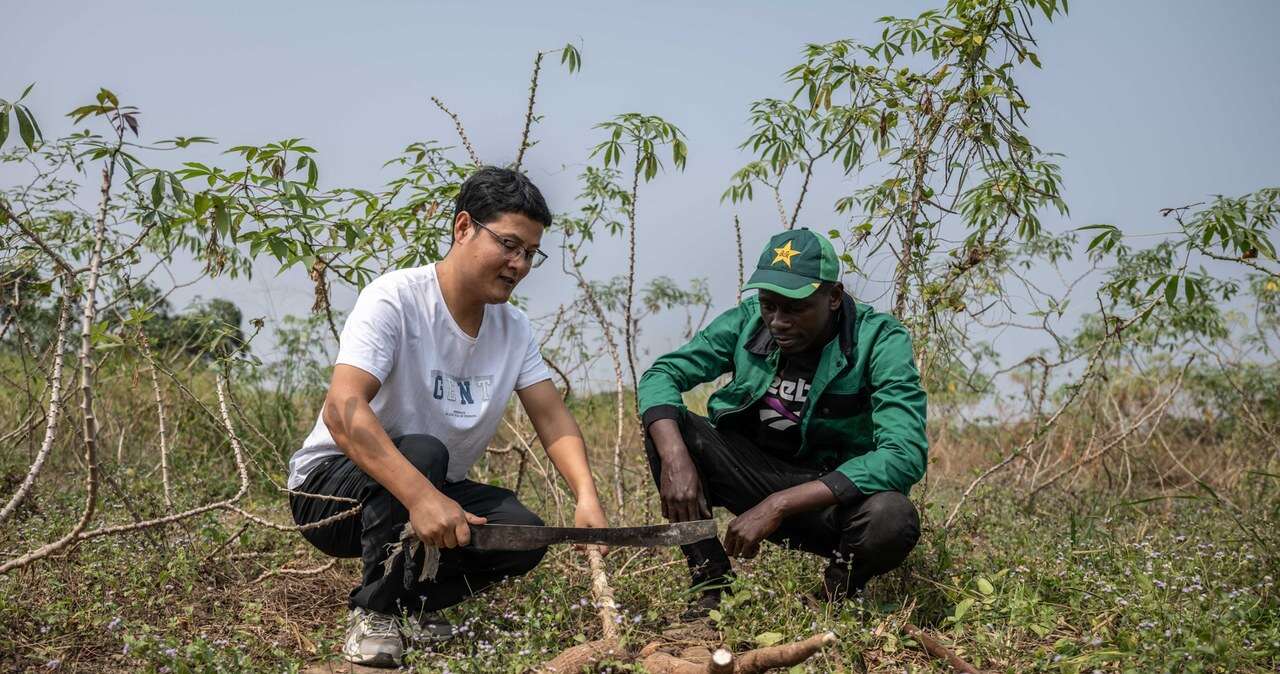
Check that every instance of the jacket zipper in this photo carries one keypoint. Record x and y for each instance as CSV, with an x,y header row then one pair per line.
x,y
754,398
809,410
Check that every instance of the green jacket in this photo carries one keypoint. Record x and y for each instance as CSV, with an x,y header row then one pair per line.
x,y
865,416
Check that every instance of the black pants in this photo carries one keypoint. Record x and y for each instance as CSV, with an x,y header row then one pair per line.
x,y
862,539
462,571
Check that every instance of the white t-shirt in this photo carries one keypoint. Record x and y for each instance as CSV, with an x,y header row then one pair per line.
x,y
435,378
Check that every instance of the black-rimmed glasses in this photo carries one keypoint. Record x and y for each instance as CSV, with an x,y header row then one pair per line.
x,y
511,248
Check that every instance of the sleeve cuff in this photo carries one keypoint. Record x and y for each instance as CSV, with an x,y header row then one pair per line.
x,y
658,412
843,488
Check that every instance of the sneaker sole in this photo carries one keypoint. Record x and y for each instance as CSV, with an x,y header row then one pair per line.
x,y
383,660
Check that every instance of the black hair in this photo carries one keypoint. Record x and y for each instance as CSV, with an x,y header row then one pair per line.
x,y
492,191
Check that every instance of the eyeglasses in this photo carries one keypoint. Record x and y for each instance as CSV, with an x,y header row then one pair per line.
x,y
512,248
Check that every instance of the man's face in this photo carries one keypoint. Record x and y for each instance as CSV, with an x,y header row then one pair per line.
x,y
491,270
799,325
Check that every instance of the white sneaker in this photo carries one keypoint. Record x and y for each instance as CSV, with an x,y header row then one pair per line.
x,y
373,639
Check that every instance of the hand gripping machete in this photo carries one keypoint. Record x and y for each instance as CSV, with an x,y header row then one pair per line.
x,y
524,537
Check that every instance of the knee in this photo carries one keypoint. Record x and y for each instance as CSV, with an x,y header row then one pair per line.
x,y
524,561
522,516
427,454
520,562
892,523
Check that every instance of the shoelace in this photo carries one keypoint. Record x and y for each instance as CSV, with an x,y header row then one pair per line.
x,y
380,625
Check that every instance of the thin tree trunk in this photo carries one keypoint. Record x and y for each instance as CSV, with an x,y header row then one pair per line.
x,y
628,337
737,232
52,418
160,417
920,171
528,115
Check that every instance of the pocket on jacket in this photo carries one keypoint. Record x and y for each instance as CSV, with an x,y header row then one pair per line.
x,y
843,405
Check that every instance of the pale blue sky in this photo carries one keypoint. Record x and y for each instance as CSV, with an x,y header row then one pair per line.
x,y
1153,103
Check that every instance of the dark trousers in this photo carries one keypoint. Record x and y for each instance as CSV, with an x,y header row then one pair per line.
x,y
369,535
862,539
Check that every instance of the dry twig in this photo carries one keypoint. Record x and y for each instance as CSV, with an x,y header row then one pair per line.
x,y
462,133
528,115
936,649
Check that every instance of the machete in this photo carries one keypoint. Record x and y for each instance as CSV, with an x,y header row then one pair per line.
x,y
422,561
524,537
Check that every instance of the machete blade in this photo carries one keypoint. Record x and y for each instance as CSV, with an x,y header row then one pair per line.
x,y
524,537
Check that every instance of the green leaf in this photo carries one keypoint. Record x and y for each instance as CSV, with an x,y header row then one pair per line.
x,y
175,187
1155,286
984,586
26,91
34,123
1097,240
569,56
962,608
25,128
1171,290
83,111
221,219
201,204
768,638
106,96
157,190
4,126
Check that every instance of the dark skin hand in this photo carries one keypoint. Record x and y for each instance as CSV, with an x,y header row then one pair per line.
x,y
679,485
746,531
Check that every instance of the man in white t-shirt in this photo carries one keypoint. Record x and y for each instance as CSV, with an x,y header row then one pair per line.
x,y
427,361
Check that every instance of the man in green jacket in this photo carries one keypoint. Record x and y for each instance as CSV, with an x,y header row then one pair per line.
x,y
815,441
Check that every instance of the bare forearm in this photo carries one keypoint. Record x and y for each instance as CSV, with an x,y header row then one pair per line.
x,y
667,440
569,455
358,433
802,498
743,536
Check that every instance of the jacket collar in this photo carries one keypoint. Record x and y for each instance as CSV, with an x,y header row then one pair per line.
x,y
762,342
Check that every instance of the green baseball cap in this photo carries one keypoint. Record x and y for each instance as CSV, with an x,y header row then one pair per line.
x,y
794,263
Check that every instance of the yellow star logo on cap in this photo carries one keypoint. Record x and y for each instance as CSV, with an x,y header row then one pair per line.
x,y
784,254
